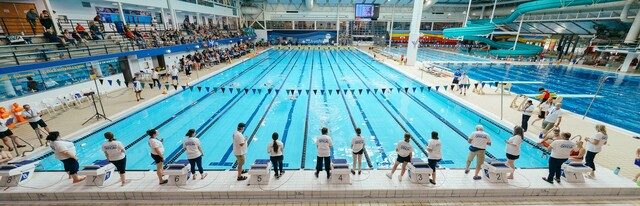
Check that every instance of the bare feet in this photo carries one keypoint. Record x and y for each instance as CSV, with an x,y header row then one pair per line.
x,y
78,180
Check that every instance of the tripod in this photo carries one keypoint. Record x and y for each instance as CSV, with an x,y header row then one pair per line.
x,y
97,115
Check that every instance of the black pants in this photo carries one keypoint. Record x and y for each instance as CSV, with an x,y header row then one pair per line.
x,y
277,164
327,164
156,82
525,121
588,158
33,25
555,167
196,161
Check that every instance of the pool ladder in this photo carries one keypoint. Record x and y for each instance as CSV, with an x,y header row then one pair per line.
x,y
602,80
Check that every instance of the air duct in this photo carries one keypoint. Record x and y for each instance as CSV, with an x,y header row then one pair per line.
x,y
625,11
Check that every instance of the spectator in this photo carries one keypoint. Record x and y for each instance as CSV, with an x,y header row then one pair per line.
x,y
32,85
52,37
99,20
32,16
79,38
45,19
82,31
96,32
69,37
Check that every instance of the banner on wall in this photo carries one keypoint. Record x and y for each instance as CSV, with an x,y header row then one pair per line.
x,y
302,37
110,15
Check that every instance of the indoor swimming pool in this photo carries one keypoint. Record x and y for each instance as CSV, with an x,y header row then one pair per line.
x,y
339,89
441,56
619,97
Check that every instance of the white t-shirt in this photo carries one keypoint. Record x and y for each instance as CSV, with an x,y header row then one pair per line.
x,y
191,146
154,74
514,149
528,110
114,150
238,139
560,149
404,148
155,143
553,115
60,146
174,72
464,79
545,107
436,149
31,113
324,144
3,127
357,144
479,139
137,85
272,152
597,148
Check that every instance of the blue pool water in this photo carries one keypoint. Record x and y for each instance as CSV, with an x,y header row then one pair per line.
x,y
326,75
621,93
435,55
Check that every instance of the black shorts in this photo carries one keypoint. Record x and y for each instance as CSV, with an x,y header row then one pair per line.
x,y
512,157
433,164
543,100
6,134
174,77
156,158
40,122
542,114
359,152
456,81
139,91
402,159
71,166
120,164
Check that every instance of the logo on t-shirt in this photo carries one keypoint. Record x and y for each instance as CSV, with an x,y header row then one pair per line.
x,y
566,146
406,148
110,147
323,141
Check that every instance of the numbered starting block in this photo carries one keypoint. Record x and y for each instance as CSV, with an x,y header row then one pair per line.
x,y
15,173
495,171
260,172
341,172
179,172
98,173
419,171
573,171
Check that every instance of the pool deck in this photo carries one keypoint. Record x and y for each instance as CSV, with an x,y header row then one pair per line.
x,y
300,184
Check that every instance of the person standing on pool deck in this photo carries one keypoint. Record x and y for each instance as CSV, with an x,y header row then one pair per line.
x,y
435,154
594,146
527,111
545,94
194,153
174,75
464,81
137,88
65,151
157,153
357,148
635,178
479,141
456,78
6,133
513,148
240,149
552,119
560,150
324,145
33,116
405,153
115,153
544,110
275,149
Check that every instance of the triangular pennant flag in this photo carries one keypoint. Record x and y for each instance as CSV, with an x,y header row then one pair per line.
x,y
375,91
246,90
322,91
101,81
468,85
230,90
307,91
277,91
368,90
238,90
166,86
429,88
142,85
269,90
215,89
110,82
344,91
125,83
399,90
359,91
475,85
259,91
390,90
199,88
422,88
207,88
337,91
253,90
299,92
414,90
191,88
330,91
406,90
150,85
496,83
175,87
223,89
438,87
453,86
159,86
482,84
445,87
352,91
383,90
315,91
184,87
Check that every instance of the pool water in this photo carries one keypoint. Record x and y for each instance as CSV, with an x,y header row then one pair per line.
x,y
338,89
620,94
435,55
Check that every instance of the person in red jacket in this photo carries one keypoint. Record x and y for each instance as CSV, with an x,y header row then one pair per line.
x,y
545,94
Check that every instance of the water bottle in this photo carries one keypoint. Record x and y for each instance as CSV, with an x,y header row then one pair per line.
x,y
616,171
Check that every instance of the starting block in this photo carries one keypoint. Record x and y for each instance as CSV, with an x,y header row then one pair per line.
x,y
260,172
419,171
573,171
179,172
16,172
98,173
496,171
341,172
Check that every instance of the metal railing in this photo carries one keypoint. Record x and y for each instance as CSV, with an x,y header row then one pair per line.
x,y
577,16
70,24
19,58
19,26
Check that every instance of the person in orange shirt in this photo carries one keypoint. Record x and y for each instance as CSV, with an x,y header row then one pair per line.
x,y
81,30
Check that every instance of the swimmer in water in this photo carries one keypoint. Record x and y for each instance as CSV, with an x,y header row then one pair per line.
x,y
344,79
235,84
292,97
